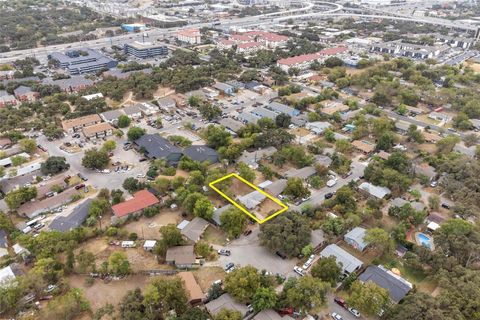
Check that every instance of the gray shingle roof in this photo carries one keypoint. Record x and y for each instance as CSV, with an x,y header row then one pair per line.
x,y
201,153
225,301
355,237
195,228
74,219
158,147
218,213
348,262
397,287
3,239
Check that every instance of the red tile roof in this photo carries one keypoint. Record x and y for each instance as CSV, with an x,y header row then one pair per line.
x,y
333,51
189,32
240,37
249,45
266,36
141,200
226,42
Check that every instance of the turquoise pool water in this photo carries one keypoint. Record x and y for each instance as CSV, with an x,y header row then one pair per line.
x,y
425,240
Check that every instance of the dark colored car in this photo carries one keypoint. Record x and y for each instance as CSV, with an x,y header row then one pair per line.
x,y
340,302
281,255
247,232
79,186
445,205
328,195
142,159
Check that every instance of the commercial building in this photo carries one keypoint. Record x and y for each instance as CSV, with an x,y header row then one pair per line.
x,y
132,27
81,61
144,50
190,36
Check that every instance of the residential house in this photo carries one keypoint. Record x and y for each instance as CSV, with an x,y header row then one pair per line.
x,y
182,257
252,200
424,169
226,301
396,286
3,243
333,107
414,110
74,220
7,275
156,147
383,155
475,123
148,109
201,154
355,238
98,131
317,238
467,151
375,191
323,160
72,84
218,213
276,188
439,116
402,127
317,127
7,100
431,137
74,125
363,146
194,229
224,88
111,116
231,124
252,158
263,112
133,112
247,117
140,200
282,108
303,173
195,294
24,93
345,260
166,104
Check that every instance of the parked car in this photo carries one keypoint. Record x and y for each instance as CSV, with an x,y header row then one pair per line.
x,y
224,252
340,302
336,316
328,195
433,184
41,148
247,232
354,312
445,205
281,255
79,186
299,270
229,266
81,176
331,183
142,159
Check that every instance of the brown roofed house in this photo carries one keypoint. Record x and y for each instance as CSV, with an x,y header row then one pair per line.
x,y
99,130
195,294
77,124
181,256
363,146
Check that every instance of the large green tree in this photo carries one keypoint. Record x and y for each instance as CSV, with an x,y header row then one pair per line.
x,y
368,297
305,293
95,159
243,283
327,270
233,222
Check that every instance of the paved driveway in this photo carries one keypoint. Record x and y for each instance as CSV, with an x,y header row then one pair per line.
x,y
248,251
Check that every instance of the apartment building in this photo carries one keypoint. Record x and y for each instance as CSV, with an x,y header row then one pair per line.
x,y
98,131
190,36
74,125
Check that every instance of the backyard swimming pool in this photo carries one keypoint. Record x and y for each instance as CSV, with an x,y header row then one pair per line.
x,y
424,240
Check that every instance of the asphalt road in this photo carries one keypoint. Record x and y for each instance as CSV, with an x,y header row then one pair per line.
x,y
318,196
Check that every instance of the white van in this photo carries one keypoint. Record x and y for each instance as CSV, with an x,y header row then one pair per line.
x,y
331,182
128,244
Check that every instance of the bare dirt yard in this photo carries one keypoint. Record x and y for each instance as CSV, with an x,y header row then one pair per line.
x,y
101,293
207,275
148,228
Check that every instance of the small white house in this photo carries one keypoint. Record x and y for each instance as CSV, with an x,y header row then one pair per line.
x,y
128,244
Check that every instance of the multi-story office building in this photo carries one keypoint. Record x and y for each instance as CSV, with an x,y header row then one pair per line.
x,y
82,61
145,49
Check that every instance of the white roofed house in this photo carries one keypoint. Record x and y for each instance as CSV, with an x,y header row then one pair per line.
x,y
355,238
318,127
375,191
148,109
111,116
345,260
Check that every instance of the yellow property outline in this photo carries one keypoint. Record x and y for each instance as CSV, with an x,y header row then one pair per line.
x,y
284,207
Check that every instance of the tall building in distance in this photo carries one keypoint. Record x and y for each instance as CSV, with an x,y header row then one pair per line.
x,y
81,61
191,36
144,50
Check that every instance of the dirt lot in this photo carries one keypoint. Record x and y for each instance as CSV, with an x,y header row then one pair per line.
x,y
101,293
214,236
207,275
148,228
474,66
267,208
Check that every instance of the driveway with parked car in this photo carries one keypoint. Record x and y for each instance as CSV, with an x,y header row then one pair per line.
x,y
247,250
